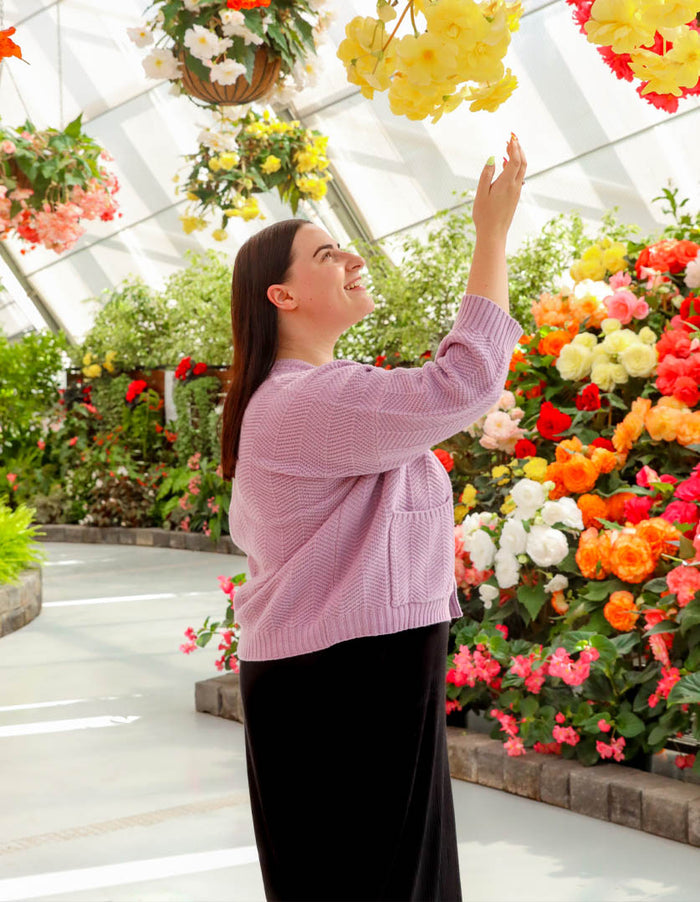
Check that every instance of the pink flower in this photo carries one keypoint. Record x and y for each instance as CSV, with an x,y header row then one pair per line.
x,y
681,512
535,681
514,746
637,508
683,761
521,666
559,717
188,647
472,668
604,726
190,634
689,489
227,585
614,750
684,582
41,444
548,748
619,280
625,306
7,147
212,505
193,487
645,476
503,629
566,735
508,722
452,705
11,478
205,529
193,462
185,524
501,432
659,649
573,673
73,441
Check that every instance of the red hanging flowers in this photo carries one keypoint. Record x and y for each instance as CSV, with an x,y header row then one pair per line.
x,y
187,370
137,387
7,45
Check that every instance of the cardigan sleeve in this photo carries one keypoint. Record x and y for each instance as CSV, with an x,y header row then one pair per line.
x,y
350,419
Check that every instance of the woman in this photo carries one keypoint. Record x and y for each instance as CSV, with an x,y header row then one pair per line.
x,y
347,520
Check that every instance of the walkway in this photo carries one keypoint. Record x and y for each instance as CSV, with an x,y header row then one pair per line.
x,y
114,788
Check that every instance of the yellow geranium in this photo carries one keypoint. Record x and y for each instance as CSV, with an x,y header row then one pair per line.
x,y
460,21
406,99
93,371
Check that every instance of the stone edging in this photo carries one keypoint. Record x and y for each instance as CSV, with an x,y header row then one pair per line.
x,y
21,603
124,535
610,792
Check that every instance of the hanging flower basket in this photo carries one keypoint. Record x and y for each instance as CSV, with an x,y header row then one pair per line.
x,y
50,181
234,53
266,71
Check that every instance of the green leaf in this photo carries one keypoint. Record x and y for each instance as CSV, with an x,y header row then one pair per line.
x,y
666,626
529,706
74,128
625,642
629,724
532,598
608,650
655,585
686,691
689,616
597,591
659,735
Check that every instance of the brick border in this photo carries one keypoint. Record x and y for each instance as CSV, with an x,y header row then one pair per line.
x,y
621,795
20,603
124,535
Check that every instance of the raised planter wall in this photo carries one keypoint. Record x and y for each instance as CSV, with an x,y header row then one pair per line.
x,y
21,603
610,792
122,535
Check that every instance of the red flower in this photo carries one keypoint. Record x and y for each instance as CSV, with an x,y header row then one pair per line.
x,y
199,368
674,341
445,458
183,368
681,512
552,422
134,390
689,489
73,441
380,360
618,62
589,398
246,4
525,448
637,508
8,46
690,310
685,389
601,442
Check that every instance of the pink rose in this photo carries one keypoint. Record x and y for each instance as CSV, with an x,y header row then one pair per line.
x,y
621,305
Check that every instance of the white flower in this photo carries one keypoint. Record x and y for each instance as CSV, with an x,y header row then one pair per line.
x,y
507,400
218,141
161,64
226,73
639,359
482,550
574,362
529,496
141,36
488,594
233,23
546,546
205,44
513,536
564,511
507,569
557,583
692,273
191,5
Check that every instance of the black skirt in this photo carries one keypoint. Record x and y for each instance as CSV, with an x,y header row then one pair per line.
x,y
348,773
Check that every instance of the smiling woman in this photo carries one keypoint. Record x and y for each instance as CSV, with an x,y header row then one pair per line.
x,y
347,520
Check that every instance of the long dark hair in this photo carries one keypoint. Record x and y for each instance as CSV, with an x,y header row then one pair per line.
x,y
262,261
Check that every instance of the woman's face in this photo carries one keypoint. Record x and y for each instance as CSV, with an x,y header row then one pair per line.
x,y
325,283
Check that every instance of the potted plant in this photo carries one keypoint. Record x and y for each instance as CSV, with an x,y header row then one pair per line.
x,y
247,156
51,180
229,53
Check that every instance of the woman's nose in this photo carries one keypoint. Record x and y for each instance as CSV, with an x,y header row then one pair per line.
x,y
354,262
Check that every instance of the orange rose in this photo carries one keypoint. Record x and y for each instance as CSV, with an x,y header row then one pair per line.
x,y
605,460
631,558
588,556
605,541
659,534
616,506
621,611
592,507
566,448
589,309
579,474
553,342
640,407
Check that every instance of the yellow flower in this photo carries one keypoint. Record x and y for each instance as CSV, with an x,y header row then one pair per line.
x,y
499,472
248,210
214,164
680,66
603,374
426,59
536,469
616,341
406,99
228,160
367,65
669,13
490,97
468,496
639,359
587,339
609,325
305,160
219,234
614,257
313,188
110,357
647,335
619,24
508,506
271,164
459,21
87,359
574,362
449,103
192,224
460,512
385,12
590,266
192,196
92,371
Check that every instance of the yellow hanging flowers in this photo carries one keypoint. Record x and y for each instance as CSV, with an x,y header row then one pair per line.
x,y
426,72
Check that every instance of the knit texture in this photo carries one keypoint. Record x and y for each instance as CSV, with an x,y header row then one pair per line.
x,y
345,514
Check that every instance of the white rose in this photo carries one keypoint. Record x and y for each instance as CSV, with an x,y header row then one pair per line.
x,y
488,594
557,583
529,496
161,64
482,550
546,546
507,569
647,335
205,44
217,140
574,362
226,73
587,339
692,273
141,36
610,325
564,511
639,359
616,342
513,536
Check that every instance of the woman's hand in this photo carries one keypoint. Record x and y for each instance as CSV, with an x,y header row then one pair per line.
x,y
495,201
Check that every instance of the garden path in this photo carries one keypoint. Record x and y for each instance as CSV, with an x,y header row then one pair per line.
x,y
114,788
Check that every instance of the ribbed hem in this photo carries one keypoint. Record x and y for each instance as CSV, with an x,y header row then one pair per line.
x,y
480,315
285,643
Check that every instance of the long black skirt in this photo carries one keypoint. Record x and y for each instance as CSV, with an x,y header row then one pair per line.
x,y
348,773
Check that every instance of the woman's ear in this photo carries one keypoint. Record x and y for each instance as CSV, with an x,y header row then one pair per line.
x,y
280,297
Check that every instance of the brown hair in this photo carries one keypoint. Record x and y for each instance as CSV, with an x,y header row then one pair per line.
x,y
262,261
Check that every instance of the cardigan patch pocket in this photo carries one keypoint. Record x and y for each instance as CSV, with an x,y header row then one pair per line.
x,y
421,555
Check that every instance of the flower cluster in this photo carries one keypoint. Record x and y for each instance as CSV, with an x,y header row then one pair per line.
x,y
656,43
219,40
187,370
242,157
50,181
227,629
92,368
456,55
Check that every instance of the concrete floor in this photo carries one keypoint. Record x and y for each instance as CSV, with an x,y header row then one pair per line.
x,y
112,787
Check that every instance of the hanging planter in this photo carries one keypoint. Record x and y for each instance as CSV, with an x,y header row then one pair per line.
x,y
241,158
50,181
235,54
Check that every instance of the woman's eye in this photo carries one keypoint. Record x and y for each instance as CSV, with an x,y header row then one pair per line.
x,y
327,255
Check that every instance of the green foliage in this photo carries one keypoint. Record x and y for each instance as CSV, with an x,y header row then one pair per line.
x,y
197,418
29,371
195,498
17,548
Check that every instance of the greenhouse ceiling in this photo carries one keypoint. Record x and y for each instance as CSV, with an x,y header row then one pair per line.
x,y
591,142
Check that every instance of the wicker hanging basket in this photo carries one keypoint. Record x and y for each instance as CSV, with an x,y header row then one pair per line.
x,y
265,72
